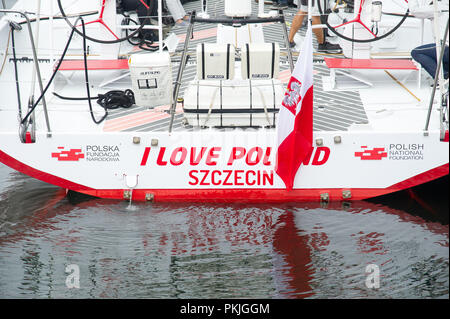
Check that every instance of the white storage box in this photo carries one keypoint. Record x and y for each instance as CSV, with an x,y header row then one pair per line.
x,y
215,61
239,36
151,78
260,61
233,103
238,8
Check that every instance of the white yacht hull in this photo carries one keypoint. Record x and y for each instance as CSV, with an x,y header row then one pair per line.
x,y
227,166
367,141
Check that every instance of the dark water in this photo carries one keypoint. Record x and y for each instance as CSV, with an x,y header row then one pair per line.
x,y
220,251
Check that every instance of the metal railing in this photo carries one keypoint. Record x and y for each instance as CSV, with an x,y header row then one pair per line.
x,y
226,21
433,92
36,64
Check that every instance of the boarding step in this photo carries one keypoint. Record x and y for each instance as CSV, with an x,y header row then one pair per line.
x,y
78,65
380,64
337,65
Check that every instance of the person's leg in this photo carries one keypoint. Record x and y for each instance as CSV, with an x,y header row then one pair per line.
x,y
176,10
130,5
426,56
445,62
296,24
315,19
279,4
181,9
318,32
324,46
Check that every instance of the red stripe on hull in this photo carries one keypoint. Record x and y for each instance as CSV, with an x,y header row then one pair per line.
x,y
42,176
270,195
228,195
237,195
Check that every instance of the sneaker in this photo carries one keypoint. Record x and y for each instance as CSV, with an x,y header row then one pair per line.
x,y
265,1
437,85
328,47
182,23
279,6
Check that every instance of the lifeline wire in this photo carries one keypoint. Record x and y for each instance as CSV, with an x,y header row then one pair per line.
x,y
52,77
110,100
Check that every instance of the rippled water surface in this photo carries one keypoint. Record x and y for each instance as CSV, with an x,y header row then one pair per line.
x,y
218,251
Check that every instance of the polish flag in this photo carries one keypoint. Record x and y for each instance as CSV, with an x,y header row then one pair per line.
x,y
295,120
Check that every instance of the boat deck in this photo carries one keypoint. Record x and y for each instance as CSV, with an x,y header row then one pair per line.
x,y
335,109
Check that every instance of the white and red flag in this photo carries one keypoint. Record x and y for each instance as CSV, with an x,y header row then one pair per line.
x,y
295,120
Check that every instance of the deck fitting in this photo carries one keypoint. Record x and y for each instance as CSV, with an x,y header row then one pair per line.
x,y
324,197
149,197
154,142
346,194
319,142
136,140
337,139
127,194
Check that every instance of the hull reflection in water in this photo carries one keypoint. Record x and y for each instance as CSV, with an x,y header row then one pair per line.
x,y
210,251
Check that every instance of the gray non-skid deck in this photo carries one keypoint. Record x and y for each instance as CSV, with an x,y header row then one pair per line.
x,y
333,110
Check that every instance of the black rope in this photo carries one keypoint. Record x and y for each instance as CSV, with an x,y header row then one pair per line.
x,y
139,40
127,21
53,75
147,46
73,98
16,74
110,100
115,99
56,17
86,76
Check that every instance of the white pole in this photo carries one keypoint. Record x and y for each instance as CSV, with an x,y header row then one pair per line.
x,y
437,35
309,11
419,76
261,13
204,14
160,30
52,57
36,39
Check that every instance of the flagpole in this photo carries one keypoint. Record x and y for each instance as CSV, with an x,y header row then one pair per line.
x,y
295,117
309,11
310,14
